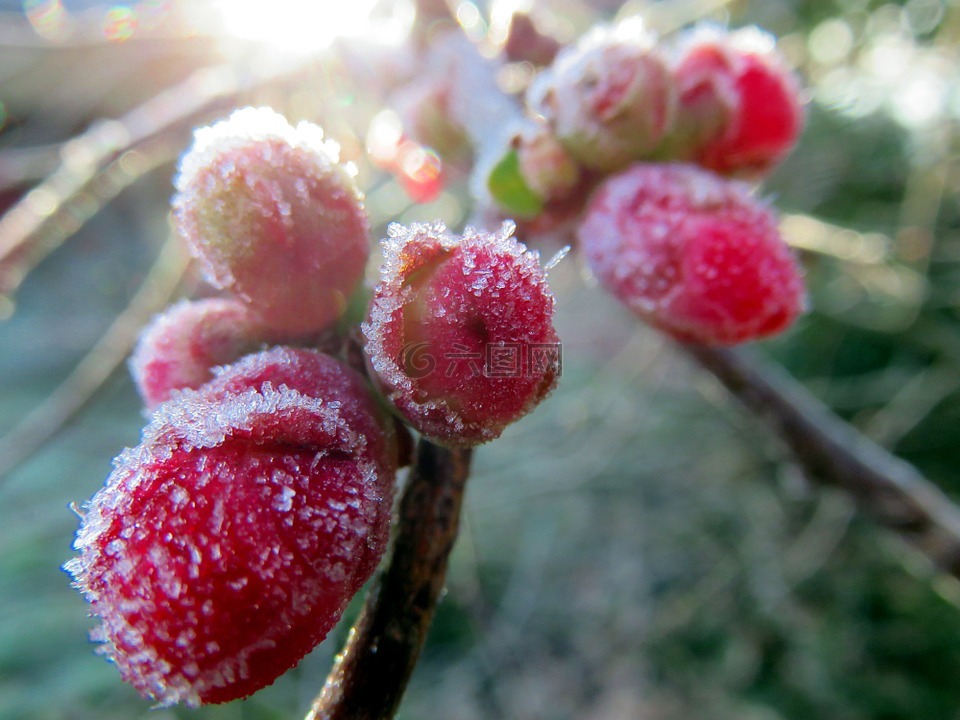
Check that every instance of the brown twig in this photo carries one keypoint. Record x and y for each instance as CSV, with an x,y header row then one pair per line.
x,y
370,675
832,452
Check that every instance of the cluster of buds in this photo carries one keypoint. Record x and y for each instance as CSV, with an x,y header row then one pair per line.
x,y
640,145
227,544
724,100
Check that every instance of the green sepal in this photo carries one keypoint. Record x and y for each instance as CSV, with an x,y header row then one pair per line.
x,y
510,190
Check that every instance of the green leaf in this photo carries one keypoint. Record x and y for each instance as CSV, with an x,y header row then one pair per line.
x,y
510,190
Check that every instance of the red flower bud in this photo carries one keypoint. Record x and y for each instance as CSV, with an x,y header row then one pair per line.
x,y
273,218
740,107
226,545
692,253
610,99
182,345
460,331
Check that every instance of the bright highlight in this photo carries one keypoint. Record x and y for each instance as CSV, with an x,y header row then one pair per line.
x,y
296,26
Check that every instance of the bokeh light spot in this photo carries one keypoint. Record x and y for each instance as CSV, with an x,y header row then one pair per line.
x,y
384,137
831,42
420,172
46,17
119,23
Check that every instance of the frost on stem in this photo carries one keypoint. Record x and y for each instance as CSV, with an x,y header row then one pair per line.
x,y
226,545
182,345
692,253
460,331
273,218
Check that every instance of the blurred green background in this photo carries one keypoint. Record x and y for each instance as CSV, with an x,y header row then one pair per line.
x,y
639,547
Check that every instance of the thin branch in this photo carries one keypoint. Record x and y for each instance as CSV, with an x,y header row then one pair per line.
x,y
165,115
370,675
41,423
49,226
832,452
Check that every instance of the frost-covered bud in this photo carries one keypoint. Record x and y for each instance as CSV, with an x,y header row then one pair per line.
x,y
534,170
740,106
609,99
460,331
227,544
544,163
182,345
273,218
692,253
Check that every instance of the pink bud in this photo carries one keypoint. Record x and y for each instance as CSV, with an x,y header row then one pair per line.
x,y
610,99
273,218
544,164
226,545
460,331
692,253
740,107
182,345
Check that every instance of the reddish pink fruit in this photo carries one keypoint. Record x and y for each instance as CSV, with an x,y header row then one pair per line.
x,y
692,253
740,108
610,99
273,218
182,345
226,545
460,331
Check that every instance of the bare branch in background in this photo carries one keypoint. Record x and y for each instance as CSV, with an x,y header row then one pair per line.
x,y
165,116
43,422
832,452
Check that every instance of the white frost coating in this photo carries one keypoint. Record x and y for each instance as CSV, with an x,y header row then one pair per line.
x,y
574,62
638,230
409,247
134,567
610,98
751,39
251,125
284,501
201,422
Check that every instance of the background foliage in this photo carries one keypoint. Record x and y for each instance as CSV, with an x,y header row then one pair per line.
x,y
639,546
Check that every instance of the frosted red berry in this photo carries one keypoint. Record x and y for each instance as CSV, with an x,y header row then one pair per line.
x,y
460,331
273,218
226,545
182,345
610,99
740,107
692,253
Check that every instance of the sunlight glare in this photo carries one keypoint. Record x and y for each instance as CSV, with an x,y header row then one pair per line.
x,y
296,26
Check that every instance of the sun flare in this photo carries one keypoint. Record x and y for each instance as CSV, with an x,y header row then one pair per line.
x,y
307,26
